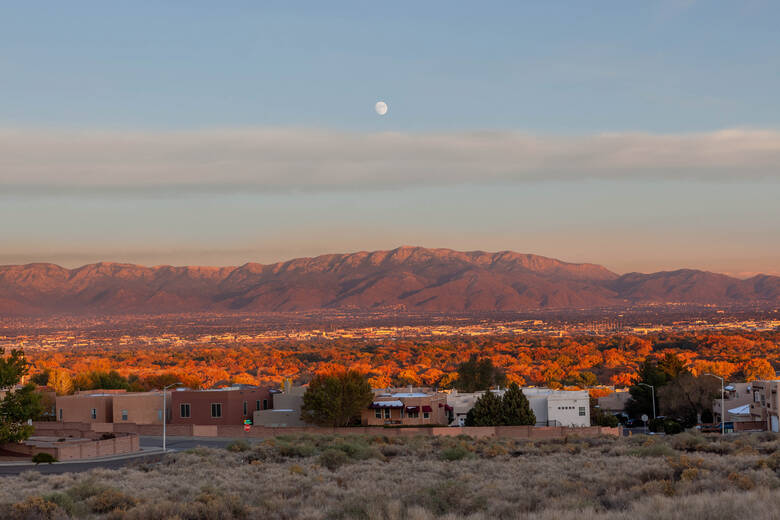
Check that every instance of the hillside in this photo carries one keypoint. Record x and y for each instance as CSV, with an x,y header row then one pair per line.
x,y
414,278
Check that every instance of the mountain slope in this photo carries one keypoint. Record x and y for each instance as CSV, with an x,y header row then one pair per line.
x,y
412,277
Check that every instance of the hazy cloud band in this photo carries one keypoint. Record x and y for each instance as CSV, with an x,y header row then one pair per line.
x,y
274,159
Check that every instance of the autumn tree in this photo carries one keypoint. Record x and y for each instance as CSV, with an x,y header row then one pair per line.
x,y
757,369
478,374
19,405
336,399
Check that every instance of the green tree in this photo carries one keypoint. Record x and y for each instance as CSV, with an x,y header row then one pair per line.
x,y
487,411
515,408
19,405
478,374
336,399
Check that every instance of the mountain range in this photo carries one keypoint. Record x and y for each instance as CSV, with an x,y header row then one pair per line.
x,y
413,278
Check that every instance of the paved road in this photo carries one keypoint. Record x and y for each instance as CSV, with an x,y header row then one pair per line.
x,y
151,452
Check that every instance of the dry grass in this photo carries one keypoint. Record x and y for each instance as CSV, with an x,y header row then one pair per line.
x,y
380,478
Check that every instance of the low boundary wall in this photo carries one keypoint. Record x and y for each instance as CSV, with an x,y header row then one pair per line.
x,y
237,431
81,442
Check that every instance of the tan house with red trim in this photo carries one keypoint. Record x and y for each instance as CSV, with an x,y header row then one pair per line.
x,y
407,409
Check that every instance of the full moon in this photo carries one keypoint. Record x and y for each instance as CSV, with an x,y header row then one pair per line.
x,y
381,108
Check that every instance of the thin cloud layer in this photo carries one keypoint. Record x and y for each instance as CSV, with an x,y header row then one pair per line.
x,y
283,159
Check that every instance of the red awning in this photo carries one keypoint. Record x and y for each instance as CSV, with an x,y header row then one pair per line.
x,y
412,409
427,408
448,408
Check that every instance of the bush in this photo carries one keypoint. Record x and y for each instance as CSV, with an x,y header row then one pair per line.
x,y
238,446
333,459
110,500
43,458
672,427
455,453
35,508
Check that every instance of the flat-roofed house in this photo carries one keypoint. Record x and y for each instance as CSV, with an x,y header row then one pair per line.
x,y
407,409
91,406
222,406
551,407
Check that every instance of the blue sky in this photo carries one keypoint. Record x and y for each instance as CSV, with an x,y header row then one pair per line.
x,y
557,74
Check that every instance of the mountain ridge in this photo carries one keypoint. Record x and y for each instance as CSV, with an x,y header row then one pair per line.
x,y
415,278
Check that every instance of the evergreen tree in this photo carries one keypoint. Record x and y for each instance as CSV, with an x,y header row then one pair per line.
x,y
487,411
18,406
515,408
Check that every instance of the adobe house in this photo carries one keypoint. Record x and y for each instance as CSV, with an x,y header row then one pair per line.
x,y
90,406
231,405
407,409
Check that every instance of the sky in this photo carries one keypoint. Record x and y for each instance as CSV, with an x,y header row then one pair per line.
x,y
642,136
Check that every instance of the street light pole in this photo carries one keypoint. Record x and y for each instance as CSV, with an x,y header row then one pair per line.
x,y
722,405
165,410
652,389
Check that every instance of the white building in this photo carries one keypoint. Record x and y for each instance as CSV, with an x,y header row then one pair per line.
x,y
551,407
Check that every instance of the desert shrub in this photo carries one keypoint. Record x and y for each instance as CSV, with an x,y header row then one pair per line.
x,y
773,461
238,446
743,482
457,452
35,508
213,503
43,458
333,459
110,500
85,489
687,442
65,502
654,449
296,449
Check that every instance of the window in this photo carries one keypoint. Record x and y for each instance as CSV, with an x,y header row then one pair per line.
x,y
387,413
257,406
378,413
184,410
216,410
413,415
159,415
265,404
582,411
60,414
245,409
93,414
124,415
426,415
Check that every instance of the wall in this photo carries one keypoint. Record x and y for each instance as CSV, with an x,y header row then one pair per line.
x,y
87,445
78,407
141,407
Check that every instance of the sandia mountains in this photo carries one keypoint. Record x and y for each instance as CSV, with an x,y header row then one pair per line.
x,y
416,278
